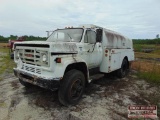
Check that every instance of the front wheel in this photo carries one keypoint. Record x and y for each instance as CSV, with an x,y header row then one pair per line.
x,y
72,87
123,71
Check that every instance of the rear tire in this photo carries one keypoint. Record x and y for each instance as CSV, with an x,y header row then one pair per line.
x,y
27,85
72,87
123,71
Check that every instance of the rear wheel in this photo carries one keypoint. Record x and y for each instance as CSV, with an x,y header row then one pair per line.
x,y
123,71
72,87
27,85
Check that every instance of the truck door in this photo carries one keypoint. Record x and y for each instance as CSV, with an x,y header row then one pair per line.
x,y
93,49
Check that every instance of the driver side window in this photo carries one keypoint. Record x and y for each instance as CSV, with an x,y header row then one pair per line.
x,y
90,37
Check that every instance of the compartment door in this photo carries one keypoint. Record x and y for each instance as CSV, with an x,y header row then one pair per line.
x,y
115,61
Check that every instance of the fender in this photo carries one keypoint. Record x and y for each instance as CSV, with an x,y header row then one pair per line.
x,y
65,61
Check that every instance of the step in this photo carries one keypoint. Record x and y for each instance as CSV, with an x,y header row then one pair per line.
x,y
95,77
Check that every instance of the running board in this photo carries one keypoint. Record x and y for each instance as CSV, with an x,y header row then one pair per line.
x,y
95,77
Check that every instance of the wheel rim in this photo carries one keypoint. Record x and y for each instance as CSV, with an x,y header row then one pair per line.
x,y
76,89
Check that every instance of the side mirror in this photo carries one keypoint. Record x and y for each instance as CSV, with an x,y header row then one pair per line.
x,y
99,35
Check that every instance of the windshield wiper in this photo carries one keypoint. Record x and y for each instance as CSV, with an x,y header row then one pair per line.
x,y
71,39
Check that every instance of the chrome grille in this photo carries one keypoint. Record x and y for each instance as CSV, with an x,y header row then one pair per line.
x,y
33,57
31,69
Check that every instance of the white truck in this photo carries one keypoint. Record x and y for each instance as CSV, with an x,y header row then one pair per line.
x,y
69,57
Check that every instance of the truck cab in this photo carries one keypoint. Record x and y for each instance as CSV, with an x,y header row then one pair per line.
x,y
69,57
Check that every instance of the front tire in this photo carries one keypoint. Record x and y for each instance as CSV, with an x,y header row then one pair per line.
x,y
123,71
72,87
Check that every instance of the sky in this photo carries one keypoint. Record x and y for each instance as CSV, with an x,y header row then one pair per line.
x,y
132,18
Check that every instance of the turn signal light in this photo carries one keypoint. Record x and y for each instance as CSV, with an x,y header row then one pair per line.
x,y
58,60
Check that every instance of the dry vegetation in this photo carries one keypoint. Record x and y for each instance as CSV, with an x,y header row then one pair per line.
x,y
2,45
148,70
147,64
6,64
150,56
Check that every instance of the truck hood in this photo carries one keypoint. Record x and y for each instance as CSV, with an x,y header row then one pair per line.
x,y
34,42
55,47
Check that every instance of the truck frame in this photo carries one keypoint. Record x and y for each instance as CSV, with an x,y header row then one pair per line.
x,y
69,57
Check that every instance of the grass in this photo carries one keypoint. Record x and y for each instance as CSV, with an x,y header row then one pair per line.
x,y
139,47
3,104
6,64
146,55
147,69
150,77
157,52
147,66
3,45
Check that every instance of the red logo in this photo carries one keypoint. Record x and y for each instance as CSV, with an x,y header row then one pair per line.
x,y
29,55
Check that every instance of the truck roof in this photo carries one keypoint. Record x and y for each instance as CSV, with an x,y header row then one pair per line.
x,y
107,31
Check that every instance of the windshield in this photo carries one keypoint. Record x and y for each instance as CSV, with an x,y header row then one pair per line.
x,y
66,35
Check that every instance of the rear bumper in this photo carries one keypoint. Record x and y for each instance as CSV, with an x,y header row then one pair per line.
x,y
48,83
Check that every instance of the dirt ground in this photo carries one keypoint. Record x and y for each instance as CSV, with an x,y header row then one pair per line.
x,y
104,99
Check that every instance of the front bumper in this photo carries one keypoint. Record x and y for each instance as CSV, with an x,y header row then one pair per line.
x,y
48,83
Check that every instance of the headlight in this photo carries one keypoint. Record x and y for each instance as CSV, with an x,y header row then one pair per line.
x,y
44,58
18,55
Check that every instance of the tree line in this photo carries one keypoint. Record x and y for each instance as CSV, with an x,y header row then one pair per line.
x,y
146,41
32,38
